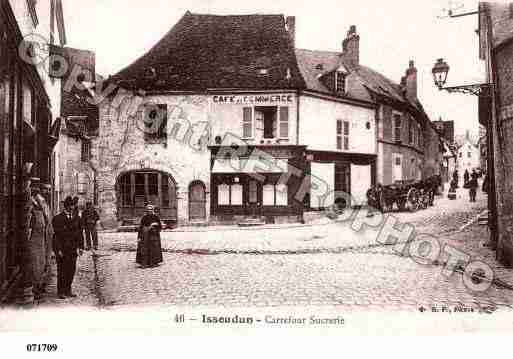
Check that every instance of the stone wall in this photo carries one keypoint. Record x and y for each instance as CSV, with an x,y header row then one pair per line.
x,y
121,147
72,172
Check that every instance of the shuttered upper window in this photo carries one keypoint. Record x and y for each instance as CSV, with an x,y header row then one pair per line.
x,y
397,127
247,122
342,135
284,122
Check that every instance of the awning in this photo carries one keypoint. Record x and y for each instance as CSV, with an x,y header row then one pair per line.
x,y
251,165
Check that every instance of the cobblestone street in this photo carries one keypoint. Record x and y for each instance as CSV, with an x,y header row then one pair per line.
x,y
325,263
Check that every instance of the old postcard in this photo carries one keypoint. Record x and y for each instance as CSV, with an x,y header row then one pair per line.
x,y
240,167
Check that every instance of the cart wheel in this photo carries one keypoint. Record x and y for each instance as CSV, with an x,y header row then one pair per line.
x,y
412,199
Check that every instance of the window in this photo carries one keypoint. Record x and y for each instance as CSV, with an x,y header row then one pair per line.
x,y
469,154
284,122
339,134
86,150
268,195
411,136
229,194
281,195
274,195
397,127
83,183
267,122
267,116
247,122
340,81
155,123
398,161
223,194
342,135
27,104
253,192
461,154
236,194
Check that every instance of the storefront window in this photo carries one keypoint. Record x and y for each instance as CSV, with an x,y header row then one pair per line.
x,y
223,194
268,195
236,194
281,195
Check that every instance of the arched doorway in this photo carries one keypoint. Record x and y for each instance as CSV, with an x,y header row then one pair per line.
x,y
197,201
135,189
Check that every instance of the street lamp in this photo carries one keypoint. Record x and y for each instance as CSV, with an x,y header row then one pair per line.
x,y
440,72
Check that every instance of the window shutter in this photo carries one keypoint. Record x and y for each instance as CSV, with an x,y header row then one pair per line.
x,y
339,134
284,122
247,122
346,135
163,117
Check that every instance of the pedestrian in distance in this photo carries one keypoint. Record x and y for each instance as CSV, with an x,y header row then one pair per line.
x,y
466,177
472,187
373,199
149,247
67,245
90,218
455,177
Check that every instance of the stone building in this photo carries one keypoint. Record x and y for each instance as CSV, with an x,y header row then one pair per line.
x,y
468,156
74,173
496,113
29,127
224,120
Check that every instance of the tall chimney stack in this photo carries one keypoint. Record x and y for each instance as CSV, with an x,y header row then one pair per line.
x,y
290,22
351,47
411,81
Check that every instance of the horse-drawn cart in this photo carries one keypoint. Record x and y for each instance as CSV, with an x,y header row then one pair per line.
x,y
408,195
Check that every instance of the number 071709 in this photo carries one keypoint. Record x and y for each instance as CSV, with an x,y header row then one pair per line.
x,y
42,347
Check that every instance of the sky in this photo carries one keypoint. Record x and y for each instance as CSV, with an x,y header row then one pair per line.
x,y
391,33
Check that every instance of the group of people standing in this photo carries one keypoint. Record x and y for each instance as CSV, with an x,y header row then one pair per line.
x,y
68,240
470,181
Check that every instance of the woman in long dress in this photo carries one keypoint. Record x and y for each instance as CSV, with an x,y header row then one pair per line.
x,y
149,252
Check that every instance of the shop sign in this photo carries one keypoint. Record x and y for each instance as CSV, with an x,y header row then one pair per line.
x,y
274,99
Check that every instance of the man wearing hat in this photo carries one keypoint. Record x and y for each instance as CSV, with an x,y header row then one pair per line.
x,y
67,245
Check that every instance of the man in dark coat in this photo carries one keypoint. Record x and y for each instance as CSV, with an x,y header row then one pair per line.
x,y
473,184
466,177
68,243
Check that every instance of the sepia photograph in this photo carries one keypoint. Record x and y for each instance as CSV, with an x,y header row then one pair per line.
x,y
171,167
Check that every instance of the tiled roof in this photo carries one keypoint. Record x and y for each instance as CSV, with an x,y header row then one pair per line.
x,y
212,51
362,81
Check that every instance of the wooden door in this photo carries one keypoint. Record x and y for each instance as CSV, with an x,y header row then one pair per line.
x,y
197,201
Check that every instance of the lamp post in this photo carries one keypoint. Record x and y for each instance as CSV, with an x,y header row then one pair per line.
x,y
440,72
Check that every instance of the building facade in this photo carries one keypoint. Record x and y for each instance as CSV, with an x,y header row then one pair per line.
x,y
29,112
468,157
496,49
261,130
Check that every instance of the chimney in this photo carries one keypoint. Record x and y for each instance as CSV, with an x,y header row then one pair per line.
x,y
290,23
351,47
411,81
